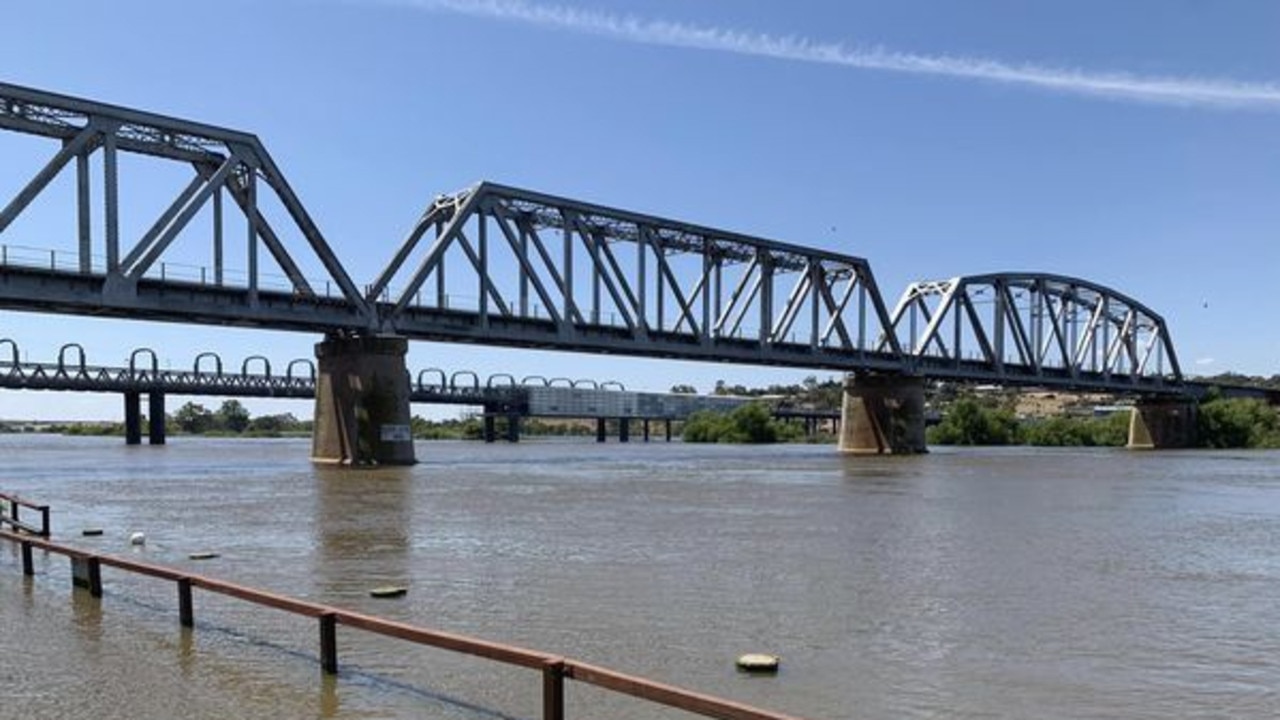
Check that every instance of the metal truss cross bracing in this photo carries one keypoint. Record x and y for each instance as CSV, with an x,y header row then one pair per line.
x,y
110,273
1034,329
500,265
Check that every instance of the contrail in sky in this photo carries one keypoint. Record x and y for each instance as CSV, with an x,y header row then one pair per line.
x,y
1168,90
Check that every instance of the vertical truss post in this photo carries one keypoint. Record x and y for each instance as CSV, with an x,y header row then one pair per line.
x,y
442,296
956,334
1106,340
568,310
482,265
862,313
708,250
83,212
817,278
999,304
642,283
718,277
766,296
251,214
659,256
111,197
592,238
524,275
217,236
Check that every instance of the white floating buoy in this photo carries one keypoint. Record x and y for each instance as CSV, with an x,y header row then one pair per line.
x,y
138,539
389,591
758,663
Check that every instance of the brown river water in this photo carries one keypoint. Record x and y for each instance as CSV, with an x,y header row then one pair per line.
x,y
976,583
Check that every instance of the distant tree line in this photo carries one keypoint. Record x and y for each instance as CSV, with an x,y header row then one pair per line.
x,y
232,418
810,392
971,420
1220,423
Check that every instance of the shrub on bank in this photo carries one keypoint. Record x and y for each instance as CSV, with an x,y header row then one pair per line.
x,y
750,423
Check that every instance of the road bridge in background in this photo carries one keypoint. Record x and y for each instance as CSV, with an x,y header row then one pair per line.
x,y
499,396
497,265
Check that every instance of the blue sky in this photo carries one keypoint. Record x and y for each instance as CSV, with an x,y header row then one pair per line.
x,y
1135,144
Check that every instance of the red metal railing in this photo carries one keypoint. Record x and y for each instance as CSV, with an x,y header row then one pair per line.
x,y
86,571
12,516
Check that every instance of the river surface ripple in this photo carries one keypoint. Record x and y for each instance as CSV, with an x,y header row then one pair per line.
x,y
977,583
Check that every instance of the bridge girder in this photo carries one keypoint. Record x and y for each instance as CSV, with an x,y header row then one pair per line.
x,y
223,163
1035,328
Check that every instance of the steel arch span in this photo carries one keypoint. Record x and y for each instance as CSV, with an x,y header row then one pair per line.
x,y
1020,328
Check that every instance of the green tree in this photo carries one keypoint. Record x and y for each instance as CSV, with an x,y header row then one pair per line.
x,y
749,423
684,390
1237,423
193,418
232,417
970,422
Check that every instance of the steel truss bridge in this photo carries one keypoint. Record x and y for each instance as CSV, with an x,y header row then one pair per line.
x,y
503,266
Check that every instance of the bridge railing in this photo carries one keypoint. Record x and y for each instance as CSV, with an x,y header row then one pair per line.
x,y
555,670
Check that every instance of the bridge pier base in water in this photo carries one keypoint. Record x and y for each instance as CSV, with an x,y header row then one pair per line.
x,y
362,402
882,415
133,418
1162,425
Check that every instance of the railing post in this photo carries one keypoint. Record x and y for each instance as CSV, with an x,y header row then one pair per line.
x,y
329,643
553,690
86,572
44,521
28,565
186,614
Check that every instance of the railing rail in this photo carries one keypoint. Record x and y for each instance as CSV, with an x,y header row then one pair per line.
x,y
13,515
86,570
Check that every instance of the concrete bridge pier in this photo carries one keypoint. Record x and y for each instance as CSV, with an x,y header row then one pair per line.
x,y
133,418
601,430
882,415
362,402
1162,424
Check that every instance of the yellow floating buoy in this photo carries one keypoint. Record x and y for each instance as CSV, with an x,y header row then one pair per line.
x,y
758,663
389,591
203,555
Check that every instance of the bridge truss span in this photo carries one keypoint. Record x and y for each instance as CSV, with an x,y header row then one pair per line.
x,y
501,265
121,260
1035,329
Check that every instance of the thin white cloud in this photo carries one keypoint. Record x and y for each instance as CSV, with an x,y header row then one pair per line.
x,y
1184,91
1205,361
